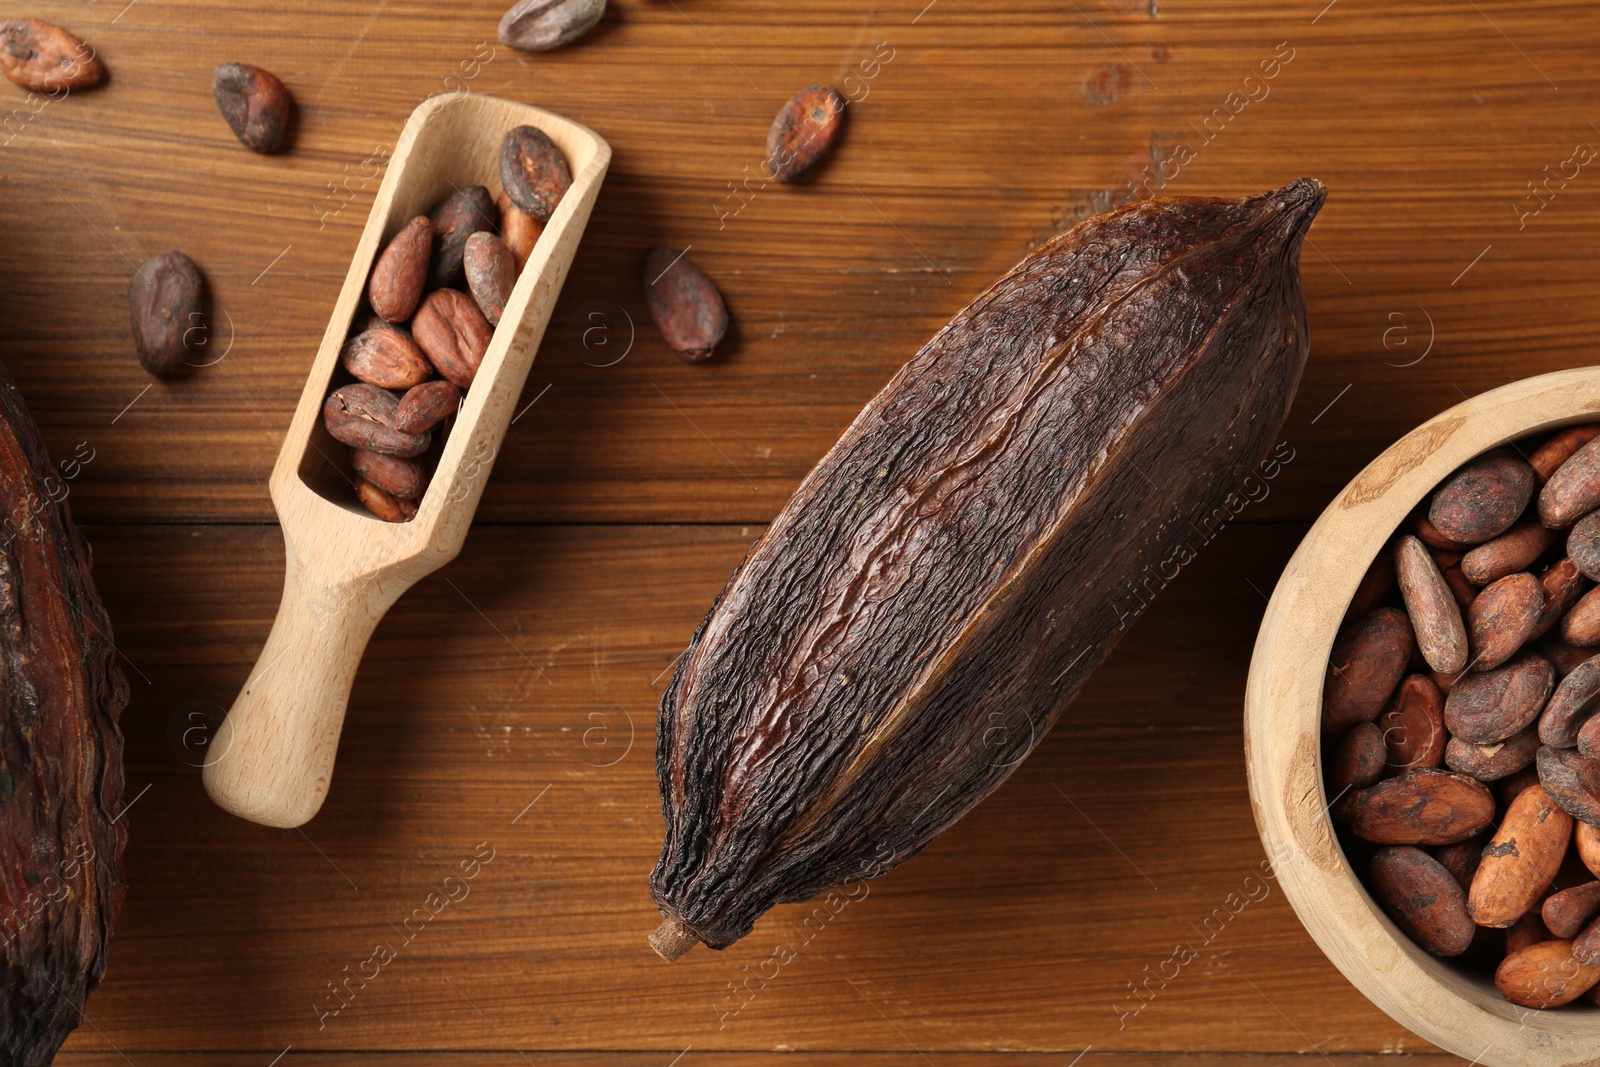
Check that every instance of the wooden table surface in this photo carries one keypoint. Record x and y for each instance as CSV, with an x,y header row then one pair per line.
x,y
505,707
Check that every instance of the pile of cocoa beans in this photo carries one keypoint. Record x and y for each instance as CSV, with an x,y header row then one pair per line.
x,y
436,292
1460,726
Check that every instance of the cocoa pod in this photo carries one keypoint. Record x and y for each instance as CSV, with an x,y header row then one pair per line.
x,y
1560,447
1563,585
686,308
1422,807
426,405
1429,535
540,25
533,171
1503,618
1573,490
1572,780
46,58
385,357
466,211
518,229
1571,705
1520,861
1412,725
1375,586
832,715
1581,624
1583,545
166,298
1489,763
1441,635
1545,975
1489,706
1515,550
453,333
1586,842
1461,860
255,105
491,272
363,416
61,828
1462,590
1483,498
1423,899
1567,911
1563,657
1367,662
1528,930
1357,761
402,479
384,506
401,271
803,131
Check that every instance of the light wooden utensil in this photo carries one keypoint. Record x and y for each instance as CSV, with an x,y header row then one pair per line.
x,y
272,758
1457,1009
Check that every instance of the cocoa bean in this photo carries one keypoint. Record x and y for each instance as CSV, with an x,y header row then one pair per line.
x,y
1374,587
1583,545
1503,618
384,506
518,229
1445,682
686,308
1563,585
803,131
1445,560
1507,789
1489,763
1545,975
491,272
1441,635
1461,860
402,479
166,299
1520,861
1586,840
1489,706
1462,590
255,105
1586,949
540,25
1559,448
401,271
46,58
363,416
1412,725
426,405
1573,490
1572,780
1528,930
450,329
1423,898
1564,657
1571,705
1429,535
1581,624
533,171
1589,737
1366,664
1567,911
1422,807
1483,498
385,357
1513,551
1358,760
466,211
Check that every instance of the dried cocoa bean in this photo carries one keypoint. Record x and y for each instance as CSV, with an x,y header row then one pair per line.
x,y
1509,788
1489,763
1483,498
1571,705
1445,560
166,298
1586,949
363,416
518,229
1515,550
45,58
1545,975
1375,586
540,25
1559,448
1583,546
1503,618
803,131
453,333
1528,930
1567,911
1441,635
385,357
1489,706
1572,780
533,171
1563,657
402,479
1412,725
1366,664
1461,860
1423,899
686,308
1581,624
1520,861
401,271
466,211
1573,490
384,506
1445,682
426,405
1358,760
1462,590
1586,839
1562,585
1422,807
1429,535
255,104
1589,737
491,272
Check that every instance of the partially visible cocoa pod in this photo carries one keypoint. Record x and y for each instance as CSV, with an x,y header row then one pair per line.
x,y
1586,838
1483,498
1435,617
686,308
1489,706
1563,586
1567,911
1573,490
1489,763
1572,780
255,104
1571,705
1520,861
1461,860
1412,725
491,272
1583,545
1422,807
518,229
1528,930
1375,585
1513,551
385,357
1358,760
401,271
1559,448
450,329
1423,899
1503,618
466,211
1366,664
402,479
1545,975
166,298
426,405
363,416
803,131
533,171
540,25
384,506
46,58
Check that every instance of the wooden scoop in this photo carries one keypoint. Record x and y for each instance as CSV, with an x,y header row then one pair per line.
x,y
271,760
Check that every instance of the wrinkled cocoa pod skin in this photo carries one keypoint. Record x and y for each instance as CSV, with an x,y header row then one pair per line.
x,y
60,755
540,25
166,299
255,105
46,58
401,271
458,216
686,308
969,548
533,171
803,131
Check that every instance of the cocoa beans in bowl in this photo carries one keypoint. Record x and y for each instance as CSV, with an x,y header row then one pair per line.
x,y
1440,855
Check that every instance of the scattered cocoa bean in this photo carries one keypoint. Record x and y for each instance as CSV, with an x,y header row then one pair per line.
x,y
1513,551
450,329
1545,975
1573,490
1483,498
1520,861
1367,662
1441,635
384,506
1423,898
1489,763
1567,911
1583,545
803,131
533,171
1548,457
686,308
46,58
491,272
1503,618
363,416
401,271
385,357
402,479
1571,705
1422,807
1572,780
426,405
466,211
1461,859
166,298
1412,725
540,25
1563,585
255,104
1489,706
1358,760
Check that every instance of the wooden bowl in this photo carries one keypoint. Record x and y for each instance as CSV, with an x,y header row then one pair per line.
x,y
1444,1003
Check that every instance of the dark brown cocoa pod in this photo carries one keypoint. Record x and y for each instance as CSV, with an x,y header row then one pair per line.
x,y
450,329
1503,618
1571,705
686,308
1412,725
1492,705
533,171
385,357
1583,546
1559,448
1423,898
364,416
1490,763
466,211
1483,498
402,479
834,713
1573,490
425,406
1422,807
401,271
255,105
61,830
803,131
1515,550
46,58
1357,761
1572,780
167,299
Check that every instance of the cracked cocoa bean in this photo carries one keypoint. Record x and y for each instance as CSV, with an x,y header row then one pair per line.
x,y
363,416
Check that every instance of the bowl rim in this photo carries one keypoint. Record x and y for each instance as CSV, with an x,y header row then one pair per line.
x,y
1282,736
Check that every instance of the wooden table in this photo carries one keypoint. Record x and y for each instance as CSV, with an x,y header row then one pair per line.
x,y
505,707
